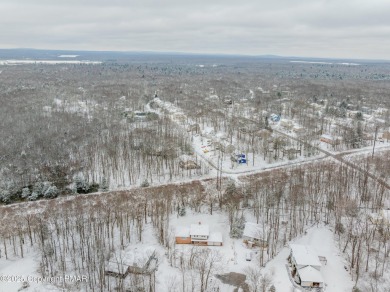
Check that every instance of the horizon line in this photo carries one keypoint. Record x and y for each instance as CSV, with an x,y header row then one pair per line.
x,y
198,54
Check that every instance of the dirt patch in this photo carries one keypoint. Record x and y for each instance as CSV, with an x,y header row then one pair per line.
x,y
234,279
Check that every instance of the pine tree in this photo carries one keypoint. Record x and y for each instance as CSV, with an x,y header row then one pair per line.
x,y
51,192
82,186
34,196
5,196
182,211
145,184
25,193
104,185
272,289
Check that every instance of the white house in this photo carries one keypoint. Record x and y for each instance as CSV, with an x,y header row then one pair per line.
x,y
310,277
198,234
306,266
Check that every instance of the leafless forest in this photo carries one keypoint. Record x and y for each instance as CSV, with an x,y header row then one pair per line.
x,y
71,130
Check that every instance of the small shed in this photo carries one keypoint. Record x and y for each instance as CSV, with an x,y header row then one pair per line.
x,y
253,234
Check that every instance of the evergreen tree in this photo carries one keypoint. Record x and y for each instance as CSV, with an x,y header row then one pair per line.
x,y
34,196
51,192
5,196
104,185
82,186
182,211
25,193
145,184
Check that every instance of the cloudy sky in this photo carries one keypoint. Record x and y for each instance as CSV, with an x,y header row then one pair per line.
x,y
313,28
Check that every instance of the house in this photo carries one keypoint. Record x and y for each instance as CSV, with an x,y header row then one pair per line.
x,y
188,162
329,139
275,117
193,128
179,117
386,135
133,261
198,234
310,277
229,148
182,235
299,130
306,266
382,217
287,124
253,235
227,101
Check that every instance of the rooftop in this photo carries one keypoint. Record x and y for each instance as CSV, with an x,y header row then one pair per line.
x,y
199,229
305,255
310,274
182,231
215,237
253,230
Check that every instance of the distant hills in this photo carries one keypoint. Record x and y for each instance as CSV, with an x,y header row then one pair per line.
x,y
119,56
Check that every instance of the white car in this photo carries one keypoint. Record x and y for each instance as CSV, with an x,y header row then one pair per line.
x,y
248,256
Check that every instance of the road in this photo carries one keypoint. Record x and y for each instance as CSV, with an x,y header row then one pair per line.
x,y
339,158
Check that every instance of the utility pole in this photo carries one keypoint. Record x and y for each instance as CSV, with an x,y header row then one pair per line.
x,y
376,133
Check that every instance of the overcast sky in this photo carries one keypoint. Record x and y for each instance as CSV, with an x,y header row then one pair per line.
x,y
313,28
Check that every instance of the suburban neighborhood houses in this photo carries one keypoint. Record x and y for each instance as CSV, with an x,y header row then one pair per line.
x,y
191,173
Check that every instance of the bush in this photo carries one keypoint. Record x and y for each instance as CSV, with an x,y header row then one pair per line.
x,y
93,188
145,184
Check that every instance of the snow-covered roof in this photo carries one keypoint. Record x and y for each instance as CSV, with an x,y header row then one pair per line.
x,y
305,255
199,229
182,231
121,259
386,215
310,274
186,158
253,230
325,136
215,237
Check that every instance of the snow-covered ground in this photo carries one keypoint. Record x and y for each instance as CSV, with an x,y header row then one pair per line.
x,y
14,271
233,258
48,62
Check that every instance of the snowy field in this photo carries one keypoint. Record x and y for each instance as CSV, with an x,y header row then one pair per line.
x,y
48,62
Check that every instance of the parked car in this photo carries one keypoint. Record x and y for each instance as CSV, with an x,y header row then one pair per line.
x,y
248,256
